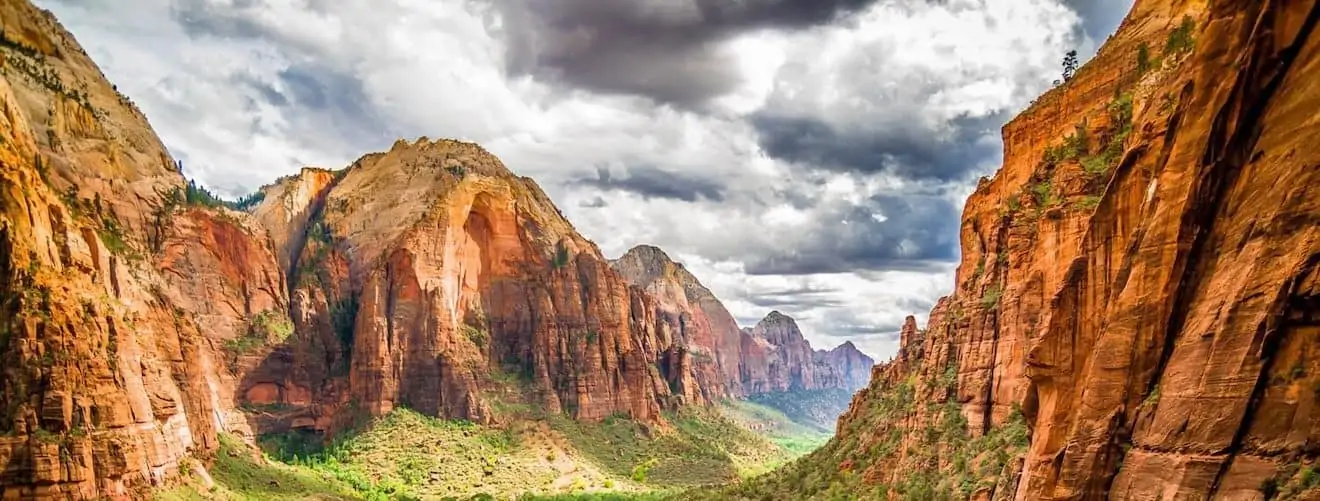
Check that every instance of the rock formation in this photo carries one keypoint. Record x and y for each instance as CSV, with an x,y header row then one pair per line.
x,y
1137,312
776,357
773,356
140,316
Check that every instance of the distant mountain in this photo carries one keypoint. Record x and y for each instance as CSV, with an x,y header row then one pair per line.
x,y
773,356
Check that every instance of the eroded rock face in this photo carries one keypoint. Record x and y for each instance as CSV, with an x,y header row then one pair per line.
x,y
692,315
1135,317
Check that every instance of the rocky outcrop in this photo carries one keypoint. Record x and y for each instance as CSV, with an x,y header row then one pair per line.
x,y
1136,310
105,385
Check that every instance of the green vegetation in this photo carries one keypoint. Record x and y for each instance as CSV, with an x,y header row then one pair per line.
x,y
195,195
1152,400
1182,39
32,63
940,460
406,455
815,409
990,300
1144,64
1097,166
265,328
474,334
561,256
1292,481
798,438
1089,201
1043,194
241,475
703,447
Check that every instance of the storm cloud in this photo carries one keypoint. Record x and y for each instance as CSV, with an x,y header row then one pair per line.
x,y
911,151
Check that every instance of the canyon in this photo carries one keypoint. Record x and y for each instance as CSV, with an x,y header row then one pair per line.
x,y
142,319
1136,312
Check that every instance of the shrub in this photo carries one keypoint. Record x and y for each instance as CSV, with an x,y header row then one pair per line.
x,y
561,256
1143,59
1181,39
1153,399
1043,193
1089,201
990,300
474,334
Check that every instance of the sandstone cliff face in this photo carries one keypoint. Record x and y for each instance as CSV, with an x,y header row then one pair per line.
x,y
105,385
850,369
1135,313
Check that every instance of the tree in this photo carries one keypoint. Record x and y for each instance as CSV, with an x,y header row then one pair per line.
x,y
1069,65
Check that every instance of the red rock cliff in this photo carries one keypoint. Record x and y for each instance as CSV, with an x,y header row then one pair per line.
x,y
1137,312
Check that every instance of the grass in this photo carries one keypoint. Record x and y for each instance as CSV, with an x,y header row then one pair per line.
x,y
240,475
702,447
797,438
406,455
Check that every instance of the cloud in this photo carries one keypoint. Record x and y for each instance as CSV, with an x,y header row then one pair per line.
x,y
674,52
651,182
912,152
886,232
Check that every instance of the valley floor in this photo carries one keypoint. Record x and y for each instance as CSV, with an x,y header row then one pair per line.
x,y
406,455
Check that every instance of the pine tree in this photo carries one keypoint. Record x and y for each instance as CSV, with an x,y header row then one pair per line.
x,y
1069,65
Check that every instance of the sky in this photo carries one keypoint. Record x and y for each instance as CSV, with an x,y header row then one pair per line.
x,y
806,156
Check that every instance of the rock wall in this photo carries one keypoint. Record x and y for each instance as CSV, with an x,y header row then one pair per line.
x,y
1135,312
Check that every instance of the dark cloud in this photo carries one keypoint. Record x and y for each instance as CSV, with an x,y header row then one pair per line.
x,y
889,232
668,50
651,182
912,152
